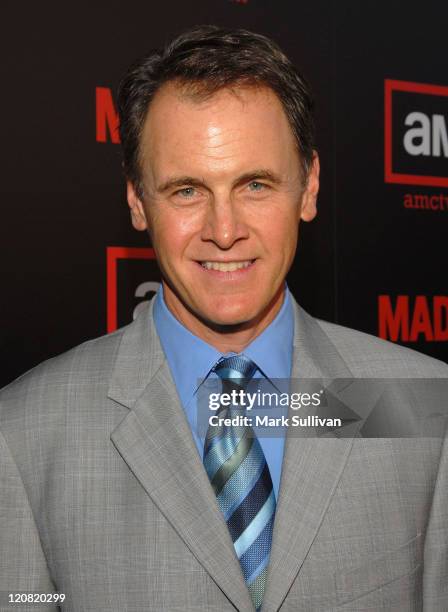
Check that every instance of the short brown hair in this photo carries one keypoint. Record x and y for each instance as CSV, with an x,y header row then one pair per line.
x,y
207,59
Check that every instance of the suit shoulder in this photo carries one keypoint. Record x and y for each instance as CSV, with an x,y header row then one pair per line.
x,y
88,362
368,355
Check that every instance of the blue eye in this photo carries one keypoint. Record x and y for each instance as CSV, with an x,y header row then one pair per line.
x,y
186,192
256,186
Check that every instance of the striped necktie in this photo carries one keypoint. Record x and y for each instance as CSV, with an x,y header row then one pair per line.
x,y
240,477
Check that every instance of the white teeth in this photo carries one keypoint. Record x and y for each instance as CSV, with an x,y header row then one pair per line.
x,y
230,266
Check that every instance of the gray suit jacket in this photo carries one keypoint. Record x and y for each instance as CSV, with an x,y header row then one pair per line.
x,y
103,495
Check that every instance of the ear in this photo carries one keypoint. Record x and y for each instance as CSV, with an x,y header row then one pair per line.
x,y
309,198
138,215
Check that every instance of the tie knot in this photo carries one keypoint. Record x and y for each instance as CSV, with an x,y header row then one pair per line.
x,y
235,367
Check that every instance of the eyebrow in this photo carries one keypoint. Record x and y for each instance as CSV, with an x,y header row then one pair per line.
x,y
253,175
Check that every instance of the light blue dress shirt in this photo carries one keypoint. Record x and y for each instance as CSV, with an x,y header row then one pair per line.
x,y
271,351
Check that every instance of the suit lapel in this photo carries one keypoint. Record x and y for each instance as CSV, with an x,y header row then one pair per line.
x,y
155,441
311,468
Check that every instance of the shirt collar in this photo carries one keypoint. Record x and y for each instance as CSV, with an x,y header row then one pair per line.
x,y
271,350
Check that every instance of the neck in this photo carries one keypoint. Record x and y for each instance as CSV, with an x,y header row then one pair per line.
x,y
224,338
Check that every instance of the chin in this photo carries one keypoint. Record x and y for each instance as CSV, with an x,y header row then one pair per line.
x,y
232,316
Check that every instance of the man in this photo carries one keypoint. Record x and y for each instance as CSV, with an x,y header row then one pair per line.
x,y
109,493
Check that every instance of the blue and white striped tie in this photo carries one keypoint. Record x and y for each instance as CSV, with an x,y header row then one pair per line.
x,y
240,477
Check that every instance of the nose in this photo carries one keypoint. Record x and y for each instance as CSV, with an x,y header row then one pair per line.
x,y
224,224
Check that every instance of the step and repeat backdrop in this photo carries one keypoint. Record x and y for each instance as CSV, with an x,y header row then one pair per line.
x,y
72,266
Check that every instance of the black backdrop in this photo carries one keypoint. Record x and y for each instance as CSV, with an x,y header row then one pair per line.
x,y
372,260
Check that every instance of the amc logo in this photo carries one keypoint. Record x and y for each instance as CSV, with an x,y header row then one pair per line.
x,y
416,135
133,278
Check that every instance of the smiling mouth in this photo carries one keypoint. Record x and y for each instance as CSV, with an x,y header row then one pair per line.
x,y
228,266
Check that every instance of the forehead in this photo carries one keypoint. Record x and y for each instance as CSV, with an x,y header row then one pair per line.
x,y
242,125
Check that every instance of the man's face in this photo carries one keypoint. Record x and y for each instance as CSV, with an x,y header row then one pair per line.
x,y
223,196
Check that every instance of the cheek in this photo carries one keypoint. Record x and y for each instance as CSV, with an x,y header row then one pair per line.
x,y
283,244
172,232
279,233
